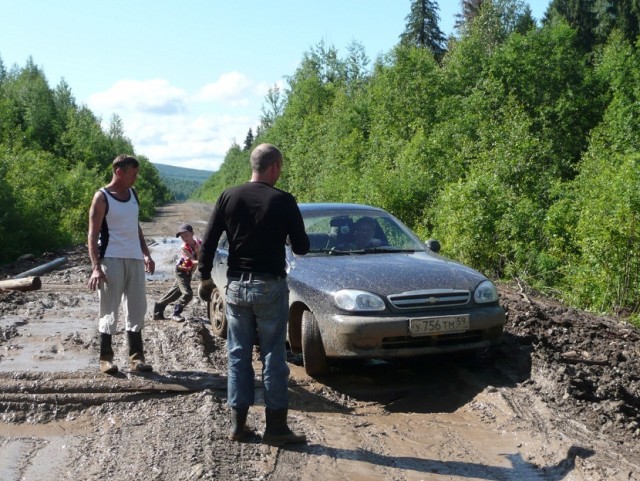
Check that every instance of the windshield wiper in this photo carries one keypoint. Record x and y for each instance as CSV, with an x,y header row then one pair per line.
x,y
331,252
384,249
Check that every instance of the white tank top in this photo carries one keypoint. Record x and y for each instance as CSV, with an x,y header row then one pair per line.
x,y
119,230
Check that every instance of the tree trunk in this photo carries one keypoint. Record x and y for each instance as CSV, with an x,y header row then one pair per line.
x,y
24,284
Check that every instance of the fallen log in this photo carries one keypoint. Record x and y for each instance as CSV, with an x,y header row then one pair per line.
x,y
43,269
23,284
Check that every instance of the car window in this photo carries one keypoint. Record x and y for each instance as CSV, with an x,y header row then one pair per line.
x,y
395,236
317,224
358,233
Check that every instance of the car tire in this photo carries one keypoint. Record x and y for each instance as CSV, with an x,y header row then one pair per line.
x,y
217,316
313,355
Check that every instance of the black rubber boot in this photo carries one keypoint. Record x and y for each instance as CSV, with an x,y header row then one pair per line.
x,y
177,313
238,424
136,353
158,312
106,355
277,432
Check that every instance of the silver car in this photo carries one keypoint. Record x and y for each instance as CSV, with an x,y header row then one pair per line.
x,y
370,288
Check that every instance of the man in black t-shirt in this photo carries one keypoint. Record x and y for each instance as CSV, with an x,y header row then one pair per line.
x,y
257,218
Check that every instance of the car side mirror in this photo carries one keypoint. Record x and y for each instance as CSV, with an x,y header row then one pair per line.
x,y
433,245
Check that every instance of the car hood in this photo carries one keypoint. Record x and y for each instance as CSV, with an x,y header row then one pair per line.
x,y
384,274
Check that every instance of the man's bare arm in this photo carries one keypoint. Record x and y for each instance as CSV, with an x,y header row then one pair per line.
x,y
97,211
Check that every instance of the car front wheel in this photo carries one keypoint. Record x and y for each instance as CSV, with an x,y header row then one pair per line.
x,y
217,314
313,355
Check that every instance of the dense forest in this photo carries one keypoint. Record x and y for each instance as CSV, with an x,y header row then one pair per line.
x,y
54,155
515,143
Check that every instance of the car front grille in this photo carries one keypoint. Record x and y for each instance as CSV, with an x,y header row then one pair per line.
x,y
426,299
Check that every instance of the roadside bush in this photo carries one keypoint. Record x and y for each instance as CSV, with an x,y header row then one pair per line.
x,y
606,275
466,222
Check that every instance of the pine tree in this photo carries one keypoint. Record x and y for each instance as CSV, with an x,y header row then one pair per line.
x,y
580,15
422,28
595,20
470,9
248,141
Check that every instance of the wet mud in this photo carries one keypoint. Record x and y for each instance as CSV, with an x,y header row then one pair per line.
x,y
560,399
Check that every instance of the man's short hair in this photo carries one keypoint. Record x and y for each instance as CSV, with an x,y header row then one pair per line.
x,y
123,161
263,156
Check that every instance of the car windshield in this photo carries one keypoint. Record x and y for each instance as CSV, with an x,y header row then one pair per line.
x,y
344,233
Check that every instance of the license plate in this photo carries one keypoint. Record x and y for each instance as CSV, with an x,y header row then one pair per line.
x,y
437,325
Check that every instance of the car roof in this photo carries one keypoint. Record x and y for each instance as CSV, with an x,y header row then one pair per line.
x,y
337,206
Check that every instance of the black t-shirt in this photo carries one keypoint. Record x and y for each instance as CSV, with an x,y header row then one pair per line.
x,y
257,219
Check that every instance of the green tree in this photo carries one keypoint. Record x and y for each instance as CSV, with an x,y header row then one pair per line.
x,y
152,191
3,72
422,29
235,170
357,66
83,140
580,15
547,74
32,105
604,272
469,10
271,109
120,143
498,17
248,140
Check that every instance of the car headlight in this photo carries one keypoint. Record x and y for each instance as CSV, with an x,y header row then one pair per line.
x,y
351,300
485,292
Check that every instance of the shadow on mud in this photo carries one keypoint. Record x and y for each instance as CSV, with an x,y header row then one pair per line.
x,y
431,384
519,469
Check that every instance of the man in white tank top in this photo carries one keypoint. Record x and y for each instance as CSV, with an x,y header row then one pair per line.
x,y
119,258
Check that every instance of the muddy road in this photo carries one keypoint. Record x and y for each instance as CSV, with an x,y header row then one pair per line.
x,y
560,401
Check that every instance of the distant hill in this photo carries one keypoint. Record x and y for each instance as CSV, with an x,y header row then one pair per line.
x,y
182,181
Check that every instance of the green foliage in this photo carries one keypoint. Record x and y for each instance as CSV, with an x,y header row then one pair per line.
x,y
542,71
53,156
605,269
606,276
234,171
48,204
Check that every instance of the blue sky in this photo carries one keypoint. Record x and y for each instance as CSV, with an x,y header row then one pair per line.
x,y
189,77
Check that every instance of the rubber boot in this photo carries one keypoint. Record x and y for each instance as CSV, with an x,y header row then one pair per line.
x,y
136,354
277,432
177,313
238,424
158,312
106,355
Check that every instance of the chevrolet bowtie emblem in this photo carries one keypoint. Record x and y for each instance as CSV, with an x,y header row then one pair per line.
x,y
432,300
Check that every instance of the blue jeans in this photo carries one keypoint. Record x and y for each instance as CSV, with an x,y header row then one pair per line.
x,y
260,306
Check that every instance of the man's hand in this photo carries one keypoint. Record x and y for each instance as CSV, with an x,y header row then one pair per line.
x,y
149,265
205,288
98,277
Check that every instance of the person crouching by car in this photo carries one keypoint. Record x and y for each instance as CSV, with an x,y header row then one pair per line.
x,y
181,290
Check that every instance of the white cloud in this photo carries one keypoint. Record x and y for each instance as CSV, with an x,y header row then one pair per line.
x,y
154,96
170,126
232,88
197,142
